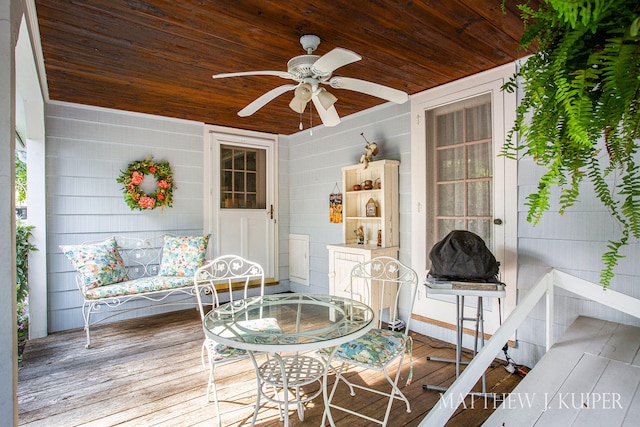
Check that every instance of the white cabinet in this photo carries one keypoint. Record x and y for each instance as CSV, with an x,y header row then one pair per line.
x,y
345,255
342,259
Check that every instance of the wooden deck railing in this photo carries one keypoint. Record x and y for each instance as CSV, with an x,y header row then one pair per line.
x,y
456,393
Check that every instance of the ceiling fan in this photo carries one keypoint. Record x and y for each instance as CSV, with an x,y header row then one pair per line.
x,y
310,71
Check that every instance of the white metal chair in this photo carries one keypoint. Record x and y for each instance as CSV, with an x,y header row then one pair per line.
x,y
391,284
232,272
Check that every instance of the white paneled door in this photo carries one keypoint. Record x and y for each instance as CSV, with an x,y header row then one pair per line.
x,y
240,199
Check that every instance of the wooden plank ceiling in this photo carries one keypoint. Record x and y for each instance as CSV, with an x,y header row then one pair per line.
x,y
158,56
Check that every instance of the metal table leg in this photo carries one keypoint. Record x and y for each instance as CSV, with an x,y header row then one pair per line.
x,y
479,333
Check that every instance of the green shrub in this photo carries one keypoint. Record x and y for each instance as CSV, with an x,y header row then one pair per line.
x,y
23,247
21,180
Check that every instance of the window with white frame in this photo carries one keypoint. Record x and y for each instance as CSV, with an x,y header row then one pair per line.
x,y
459,181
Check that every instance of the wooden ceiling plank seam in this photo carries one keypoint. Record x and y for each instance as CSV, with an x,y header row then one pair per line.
x,y
187,28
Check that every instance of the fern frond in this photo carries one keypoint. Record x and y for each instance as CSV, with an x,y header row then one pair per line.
x,y
630,188
610,260
581,88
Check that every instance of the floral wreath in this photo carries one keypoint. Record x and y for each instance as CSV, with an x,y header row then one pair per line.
x,y
133,175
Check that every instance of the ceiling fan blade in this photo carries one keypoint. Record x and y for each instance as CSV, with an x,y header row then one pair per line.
x,y
264,99
370,88
326,98
328,116
333,60
282,74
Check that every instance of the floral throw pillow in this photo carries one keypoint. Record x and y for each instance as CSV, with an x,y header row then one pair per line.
x,y
100,264
182,255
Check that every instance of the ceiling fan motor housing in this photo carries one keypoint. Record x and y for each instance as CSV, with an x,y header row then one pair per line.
x,y
300,66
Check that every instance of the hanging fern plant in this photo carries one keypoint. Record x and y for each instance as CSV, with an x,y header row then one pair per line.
x,y
580,115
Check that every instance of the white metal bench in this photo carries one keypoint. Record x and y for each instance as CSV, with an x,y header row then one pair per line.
x,y
142,260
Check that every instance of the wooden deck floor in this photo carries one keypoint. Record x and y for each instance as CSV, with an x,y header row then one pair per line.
x,y
147,372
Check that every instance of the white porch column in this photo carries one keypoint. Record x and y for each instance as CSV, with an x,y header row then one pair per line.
x,y
10,15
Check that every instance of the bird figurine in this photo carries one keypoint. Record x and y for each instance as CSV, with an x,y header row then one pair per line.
x,y
371,149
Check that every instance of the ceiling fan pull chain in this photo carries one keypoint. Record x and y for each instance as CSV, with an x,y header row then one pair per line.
x,y
310,118
301,127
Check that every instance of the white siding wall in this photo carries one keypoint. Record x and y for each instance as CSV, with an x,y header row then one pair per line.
x,y
283,209
315,165
573,243
86,148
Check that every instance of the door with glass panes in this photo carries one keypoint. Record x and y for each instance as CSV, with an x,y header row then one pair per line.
x,y
460,182
242,214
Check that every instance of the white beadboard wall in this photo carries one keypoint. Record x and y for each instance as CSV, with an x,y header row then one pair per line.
x,y
86,148
315,165
283,209
573,243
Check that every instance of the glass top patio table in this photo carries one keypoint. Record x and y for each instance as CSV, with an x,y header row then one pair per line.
x,y
302,322
285,323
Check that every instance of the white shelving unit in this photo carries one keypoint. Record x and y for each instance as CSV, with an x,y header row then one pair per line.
x,y
344,256
384,172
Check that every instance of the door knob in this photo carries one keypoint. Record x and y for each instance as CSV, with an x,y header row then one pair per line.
x,y
497,221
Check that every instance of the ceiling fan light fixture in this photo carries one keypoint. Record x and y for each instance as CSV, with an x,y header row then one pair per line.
x,y
297,105
327,99
303,92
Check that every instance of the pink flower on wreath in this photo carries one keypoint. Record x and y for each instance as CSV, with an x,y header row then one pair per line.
x,y
147,202
160,196
163,184
152,169
136,178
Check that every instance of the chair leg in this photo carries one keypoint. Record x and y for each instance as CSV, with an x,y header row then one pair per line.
x,y
257,407
211,387
202,352
86,312
338,375
395,393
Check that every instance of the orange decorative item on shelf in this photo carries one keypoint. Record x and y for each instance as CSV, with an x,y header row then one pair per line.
x,y
335,205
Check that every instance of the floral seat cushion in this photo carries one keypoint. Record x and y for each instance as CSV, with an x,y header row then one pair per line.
x,y
138,286
376,348
219,352
257,330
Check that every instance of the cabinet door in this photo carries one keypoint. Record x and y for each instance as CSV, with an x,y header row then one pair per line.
x,y
378,300
343,264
